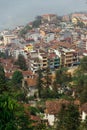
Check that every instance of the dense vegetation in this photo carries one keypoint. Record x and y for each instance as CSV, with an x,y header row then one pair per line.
x,y
13,113
69,118
21,62
35,24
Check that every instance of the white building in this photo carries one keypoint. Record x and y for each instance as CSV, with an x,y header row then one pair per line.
x,y
84,111
9,38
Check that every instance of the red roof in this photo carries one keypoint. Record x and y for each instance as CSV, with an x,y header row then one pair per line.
x,y
84,107
26,73
53,107
52,55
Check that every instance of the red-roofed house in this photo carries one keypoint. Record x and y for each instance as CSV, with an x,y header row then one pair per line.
x,y
52,109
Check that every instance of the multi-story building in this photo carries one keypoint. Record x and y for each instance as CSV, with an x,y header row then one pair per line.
x,y
28,48
9,38
15,53
43,61
34,64
49,17
53,61
38,59
68,57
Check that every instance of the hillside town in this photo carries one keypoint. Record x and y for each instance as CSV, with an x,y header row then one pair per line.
x,y
44,46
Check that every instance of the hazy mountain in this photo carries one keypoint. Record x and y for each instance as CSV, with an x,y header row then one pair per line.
x,y
16,12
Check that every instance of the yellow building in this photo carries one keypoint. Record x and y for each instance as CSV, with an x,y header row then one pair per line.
x,y
42,33
28,48
74,20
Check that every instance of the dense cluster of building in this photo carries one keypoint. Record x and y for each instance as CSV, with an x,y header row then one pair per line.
x,y
57,42
52,44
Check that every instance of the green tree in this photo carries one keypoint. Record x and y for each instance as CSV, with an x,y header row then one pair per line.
x,y
37,22
22,62
68,118
47,84
80,24
2,80
16,91
2,55
80,80
83,95
41,126
83,64
38,17
7,110
1,38
24,31
80,83
23,119
48,93
44,84
13,115
62,77
17,77
84,124
33,110
47,78
39,82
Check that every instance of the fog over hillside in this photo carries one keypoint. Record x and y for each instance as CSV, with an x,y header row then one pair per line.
x,y
17,12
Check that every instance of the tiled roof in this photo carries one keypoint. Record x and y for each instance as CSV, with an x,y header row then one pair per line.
x,y
84,107
53,107
35,118
52,55
8,75
27,73
32,82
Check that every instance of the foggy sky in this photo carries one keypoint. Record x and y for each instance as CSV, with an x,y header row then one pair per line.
x,y
18,12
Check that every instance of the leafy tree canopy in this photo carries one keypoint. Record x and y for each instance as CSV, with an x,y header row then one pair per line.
x,y
21,62
17,77
83,64
13,115
68,118
25,30
80,82
62,77
2,80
